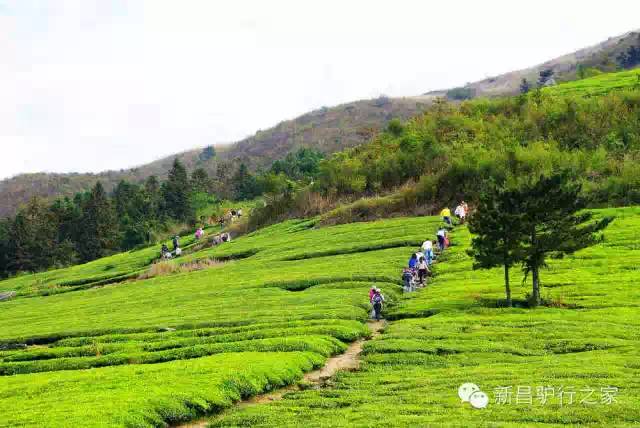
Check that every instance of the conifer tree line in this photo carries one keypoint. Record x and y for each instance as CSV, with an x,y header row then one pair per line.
x,y
94,224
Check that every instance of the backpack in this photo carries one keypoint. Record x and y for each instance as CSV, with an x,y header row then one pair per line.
x,y
377,298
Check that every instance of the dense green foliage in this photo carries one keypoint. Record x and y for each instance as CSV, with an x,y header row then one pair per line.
x,y
451,149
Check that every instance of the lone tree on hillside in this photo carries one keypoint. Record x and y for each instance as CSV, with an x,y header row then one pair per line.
x,y
554,224
524,86
499,237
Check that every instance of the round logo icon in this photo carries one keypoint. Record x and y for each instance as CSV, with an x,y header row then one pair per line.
x,y
479,399
466,389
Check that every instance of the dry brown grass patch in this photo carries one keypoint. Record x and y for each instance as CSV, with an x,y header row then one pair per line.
x,y
168,267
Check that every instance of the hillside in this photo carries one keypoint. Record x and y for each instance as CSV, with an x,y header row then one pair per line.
x,y
174,347
327,129
602,57
587,127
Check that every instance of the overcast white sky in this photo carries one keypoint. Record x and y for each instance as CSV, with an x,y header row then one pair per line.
x,y
89,85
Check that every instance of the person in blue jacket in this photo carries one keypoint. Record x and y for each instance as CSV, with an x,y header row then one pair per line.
x,y
413,261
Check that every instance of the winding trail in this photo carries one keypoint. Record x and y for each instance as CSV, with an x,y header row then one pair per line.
x,y
348,360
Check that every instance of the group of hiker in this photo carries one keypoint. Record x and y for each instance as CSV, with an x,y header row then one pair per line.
x,y
460,212
166,253
230,216
419,267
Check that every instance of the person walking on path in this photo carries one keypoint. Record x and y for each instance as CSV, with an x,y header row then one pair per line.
x,y
423,270
164,252
407,280
427,247
446,216
413,261
372,292
442,237
199,233
460,213
377,300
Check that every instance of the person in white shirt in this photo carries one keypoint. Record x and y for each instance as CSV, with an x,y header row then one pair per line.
x,y
427,248
461,213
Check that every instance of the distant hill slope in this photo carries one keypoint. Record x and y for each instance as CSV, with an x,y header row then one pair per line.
x,y
326,129
602,56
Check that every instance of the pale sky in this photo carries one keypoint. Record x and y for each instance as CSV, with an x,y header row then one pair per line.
x,y
90,85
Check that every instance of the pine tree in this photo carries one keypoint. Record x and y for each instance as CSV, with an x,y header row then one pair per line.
x,y
497,226
554,223
4,250
152,198
129,201
175,193
221,183
32,238
245,185
18,245
200,181
99,228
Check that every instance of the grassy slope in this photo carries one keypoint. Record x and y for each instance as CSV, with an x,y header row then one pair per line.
x,y
598,85
241,331
75,277
412,372
233,311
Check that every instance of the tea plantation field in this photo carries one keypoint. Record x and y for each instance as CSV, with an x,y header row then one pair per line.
x,y
598,85
170,348
146,352
573,364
